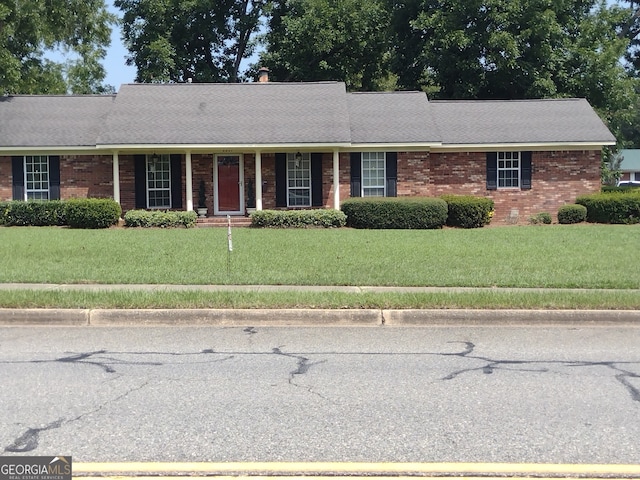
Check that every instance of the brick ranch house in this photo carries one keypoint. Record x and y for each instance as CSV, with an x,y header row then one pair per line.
x,y
296,145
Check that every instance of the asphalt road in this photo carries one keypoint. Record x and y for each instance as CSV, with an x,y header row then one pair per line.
x,y
429,394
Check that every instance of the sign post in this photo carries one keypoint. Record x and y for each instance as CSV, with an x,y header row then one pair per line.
x,y
229,246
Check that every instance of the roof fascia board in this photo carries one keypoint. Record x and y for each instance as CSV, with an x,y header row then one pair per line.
x,y
404,147
224,147
89,150
488,147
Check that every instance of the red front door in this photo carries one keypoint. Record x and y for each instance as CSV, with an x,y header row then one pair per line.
x,y
228,178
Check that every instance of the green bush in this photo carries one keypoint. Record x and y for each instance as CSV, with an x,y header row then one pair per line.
x,y
298,218
92,212
540,218
466,211
32,213
160,219
612,207
572,213
397,212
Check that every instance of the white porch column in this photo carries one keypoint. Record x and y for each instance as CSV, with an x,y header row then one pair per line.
x,y
189,181
116,177
258,185
336,180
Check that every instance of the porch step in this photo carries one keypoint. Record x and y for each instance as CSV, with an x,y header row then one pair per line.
x,y
222,222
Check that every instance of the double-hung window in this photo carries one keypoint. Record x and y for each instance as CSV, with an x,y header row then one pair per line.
x,y
373,174
36,170
298,180
508,169
159,181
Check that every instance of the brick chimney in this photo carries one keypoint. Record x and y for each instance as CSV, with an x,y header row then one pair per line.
x,y
263,75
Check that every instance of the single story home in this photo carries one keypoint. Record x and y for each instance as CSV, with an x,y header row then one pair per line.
x,y
269,145
630,165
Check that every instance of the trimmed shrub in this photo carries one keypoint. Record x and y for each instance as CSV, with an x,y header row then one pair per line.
x,y
396,212
612,207
540,218
92,212
32,213
572,213
328,218
466,211
159,219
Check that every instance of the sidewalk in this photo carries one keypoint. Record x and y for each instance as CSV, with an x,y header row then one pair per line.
x,y
300,317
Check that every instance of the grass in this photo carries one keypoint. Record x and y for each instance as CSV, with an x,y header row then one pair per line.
x,y
598,300
582,256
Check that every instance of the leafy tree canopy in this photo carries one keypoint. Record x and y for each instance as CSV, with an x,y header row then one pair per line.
x,y
31,28
316,40
174,40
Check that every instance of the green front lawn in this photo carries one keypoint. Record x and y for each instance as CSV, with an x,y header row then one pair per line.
x,y
583,256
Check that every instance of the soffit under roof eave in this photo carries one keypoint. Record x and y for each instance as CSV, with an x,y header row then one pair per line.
x,y
537,146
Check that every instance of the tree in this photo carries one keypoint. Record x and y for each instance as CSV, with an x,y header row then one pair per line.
x,y
316,40
174,40
31,28
487,48
517,49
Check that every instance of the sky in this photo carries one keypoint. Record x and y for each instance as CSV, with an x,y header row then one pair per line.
x,y
115,65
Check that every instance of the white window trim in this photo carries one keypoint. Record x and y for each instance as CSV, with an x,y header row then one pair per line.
x,y
498,169
146,180
27,190
384,175
305,157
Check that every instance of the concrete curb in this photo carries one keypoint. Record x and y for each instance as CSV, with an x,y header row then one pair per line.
x,y
236,317
310,317
510,317
44,316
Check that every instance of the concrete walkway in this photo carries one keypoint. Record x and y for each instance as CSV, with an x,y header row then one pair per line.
x,y
299,317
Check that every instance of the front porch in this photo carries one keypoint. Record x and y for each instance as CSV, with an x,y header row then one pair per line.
x,y
229,182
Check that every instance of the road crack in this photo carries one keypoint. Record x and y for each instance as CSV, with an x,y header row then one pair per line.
x,y
302,367
623,376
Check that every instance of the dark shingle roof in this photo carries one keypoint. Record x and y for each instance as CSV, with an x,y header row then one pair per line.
x,y
259,114
52,120
228,114
392,118
519,121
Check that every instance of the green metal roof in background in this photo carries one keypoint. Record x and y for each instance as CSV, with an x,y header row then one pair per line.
x,y
631,161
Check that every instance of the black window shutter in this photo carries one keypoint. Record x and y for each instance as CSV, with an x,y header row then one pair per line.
x,y
17,173
54,177
176,181
392,174
140,180
492,171
316,179
356,174
281,179
525,170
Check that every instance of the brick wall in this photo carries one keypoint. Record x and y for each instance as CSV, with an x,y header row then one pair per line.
x,y
81,176
558,177
86,176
